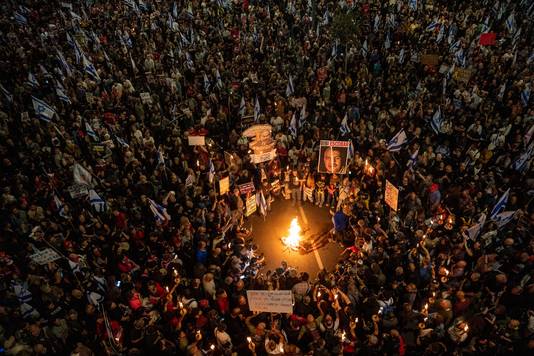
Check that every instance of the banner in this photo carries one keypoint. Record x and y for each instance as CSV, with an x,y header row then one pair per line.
x,y
45,256
430,59
224,185
246,188
196,140
78,190
462,75
333,157
251,205
391,195
270,301
263,157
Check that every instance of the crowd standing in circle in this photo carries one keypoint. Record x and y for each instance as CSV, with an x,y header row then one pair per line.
x,y
154,259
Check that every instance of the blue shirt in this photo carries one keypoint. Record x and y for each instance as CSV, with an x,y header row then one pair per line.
x,y
341,221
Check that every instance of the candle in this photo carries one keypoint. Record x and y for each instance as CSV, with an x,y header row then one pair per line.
x,y
249,339
167,289
466,328
319,294
181,305
212,347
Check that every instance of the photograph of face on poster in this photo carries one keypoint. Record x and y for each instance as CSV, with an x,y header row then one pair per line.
x,y
333,157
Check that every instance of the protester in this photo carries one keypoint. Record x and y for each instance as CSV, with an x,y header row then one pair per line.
x,y
117,239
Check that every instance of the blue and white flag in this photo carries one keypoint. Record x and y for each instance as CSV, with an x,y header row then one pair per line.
x,y
387,42
20,19
242,107
122,142
437,121
460,57
452,33
441,34
376,25
525,95
90,68
344,129
412,162
32,81
510,23
75,16
500,96
62,96
60,206
219,83
326,17
211,173
293,126
504,218
521,163
7,94
402,56
257,110
396,143
500,205
334,50
91,132
365,50
160,213
475,230
189,11
413,5
97,202
455,46
174,10
64,64
142,6
261,203
433,26
207,84
43,111
516,37
290,90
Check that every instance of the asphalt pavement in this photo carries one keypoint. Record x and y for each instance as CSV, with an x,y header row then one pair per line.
x,y
267,235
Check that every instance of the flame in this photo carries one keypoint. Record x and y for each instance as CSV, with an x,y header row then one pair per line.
x,y
293,239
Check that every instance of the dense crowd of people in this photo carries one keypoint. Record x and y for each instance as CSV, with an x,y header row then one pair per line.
x,y
114,235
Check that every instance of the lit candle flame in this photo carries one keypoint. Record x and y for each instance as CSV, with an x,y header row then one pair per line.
x,y
249,339
212,347
466,328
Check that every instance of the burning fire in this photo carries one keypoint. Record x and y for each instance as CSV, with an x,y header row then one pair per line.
x,y
293,239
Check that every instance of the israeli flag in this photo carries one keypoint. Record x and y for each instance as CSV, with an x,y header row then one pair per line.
x,y
207,84
64,63
174,10
510,23
504,218
437,121
242,107
256,110
143,6
525,95
293,126
21,292
413,5
62,96
334,50
460,57
261,203
401,56
189,11
345,129
97,202
432,26
455,46
160,213
396,143
7,94
60,207
290,90
211,173
75,16
122,142
501,203
219,83
91,132
387,42
326,17
441,34
32,81
412,162
521,163
81,175
500,96
475,230
90,69
20,19
364,49
376,25
517,36
452,33
95,298
43,110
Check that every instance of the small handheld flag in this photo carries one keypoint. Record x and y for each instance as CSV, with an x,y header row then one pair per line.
x,y
396,143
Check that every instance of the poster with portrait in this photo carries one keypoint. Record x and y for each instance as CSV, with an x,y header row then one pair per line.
x,y
391,196
333,157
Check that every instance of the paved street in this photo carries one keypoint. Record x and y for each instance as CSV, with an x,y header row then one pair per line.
x,y
267,234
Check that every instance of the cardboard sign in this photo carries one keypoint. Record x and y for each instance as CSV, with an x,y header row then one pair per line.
x,y
308,193
246,188
430,59
146,98
263,157
224,185
196,140
488,39
251,205
45,256
78,190
275,185
270,301
391,195
462,74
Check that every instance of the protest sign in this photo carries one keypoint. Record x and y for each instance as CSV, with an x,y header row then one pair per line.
x,y
246,188
270,301
77,190
430,59
462,74
391,195
196,140
251,205
45,256
333,157
224,185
